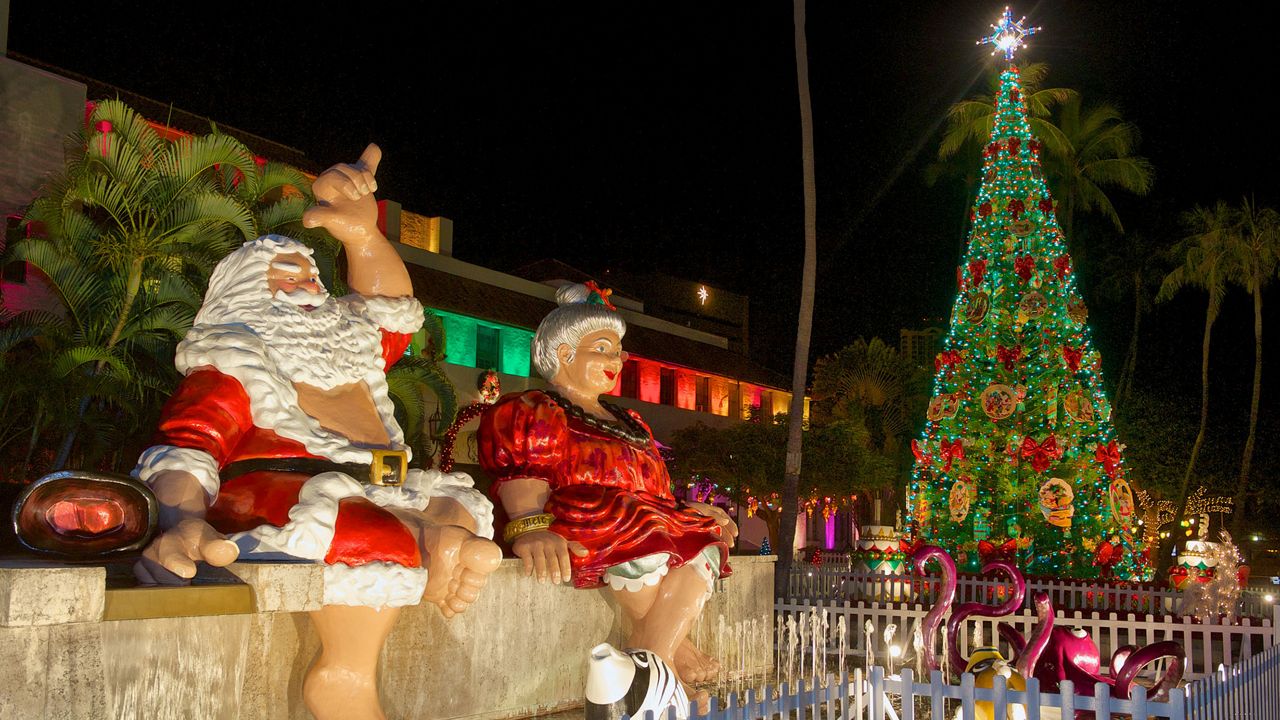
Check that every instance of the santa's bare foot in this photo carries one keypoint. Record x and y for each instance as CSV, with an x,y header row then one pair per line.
x,y
458,565
694,666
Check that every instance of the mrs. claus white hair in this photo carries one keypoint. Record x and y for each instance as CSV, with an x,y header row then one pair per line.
x,y
239,282
567,324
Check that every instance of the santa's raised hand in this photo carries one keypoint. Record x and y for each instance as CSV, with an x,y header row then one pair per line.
x,y
345,205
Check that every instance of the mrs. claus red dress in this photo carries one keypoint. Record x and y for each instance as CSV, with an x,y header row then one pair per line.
x,y
610,489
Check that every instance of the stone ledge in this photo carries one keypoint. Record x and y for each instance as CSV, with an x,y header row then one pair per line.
x,y
31,596
283,587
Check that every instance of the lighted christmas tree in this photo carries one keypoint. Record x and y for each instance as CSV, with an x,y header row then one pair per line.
x,y
1019,458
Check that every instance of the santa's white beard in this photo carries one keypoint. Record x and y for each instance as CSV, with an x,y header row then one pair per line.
x,y
324,347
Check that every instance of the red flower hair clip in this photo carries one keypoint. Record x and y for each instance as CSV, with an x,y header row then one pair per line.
x,y
599,296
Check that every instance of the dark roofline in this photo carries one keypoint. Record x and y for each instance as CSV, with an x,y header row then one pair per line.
x,y
177,118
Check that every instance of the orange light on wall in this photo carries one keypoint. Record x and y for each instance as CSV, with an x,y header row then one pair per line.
x,y
686,390
719,391
650,375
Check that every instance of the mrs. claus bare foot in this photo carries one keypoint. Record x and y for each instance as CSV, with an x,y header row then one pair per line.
x,y
694,666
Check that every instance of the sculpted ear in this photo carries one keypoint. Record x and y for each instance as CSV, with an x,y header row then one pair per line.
x,y
564,354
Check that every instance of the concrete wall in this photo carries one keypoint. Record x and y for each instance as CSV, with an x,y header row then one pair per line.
x,y
520,650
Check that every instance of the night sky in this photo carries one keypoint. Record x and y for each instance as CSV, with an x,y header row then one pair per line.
x,y
665,135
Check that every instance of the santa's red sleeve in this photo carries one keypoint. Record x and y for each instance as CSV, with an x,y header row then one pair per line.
x,y
200,427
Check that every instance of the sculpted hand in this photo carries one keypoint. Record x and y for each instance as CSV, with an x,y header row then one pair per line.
x,y
726,523
171,558
548,554
345,205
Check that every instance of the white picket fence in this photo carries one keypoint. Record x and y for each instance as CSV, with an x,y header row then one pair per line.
x,y
1248,689
1208,645
877,697
834,582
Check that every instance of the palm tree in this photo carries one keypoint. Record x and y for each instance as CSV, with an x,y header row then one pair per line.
x,y
870,381
1097,152
1256,251
1133,271
411,379
134,224
969,121
1206,263
804,323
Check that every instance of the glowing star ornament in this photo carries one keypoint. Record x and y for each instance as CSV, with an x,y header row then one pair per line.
x,y
1007,36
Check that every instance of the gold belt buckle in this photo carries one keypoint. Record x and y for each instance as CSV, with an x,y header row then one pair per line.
x,y
388,474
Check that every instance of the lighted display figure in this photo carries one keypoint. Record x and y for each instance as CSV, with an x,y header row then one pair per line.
x,y
1007,36
281,442
1019,450
588,495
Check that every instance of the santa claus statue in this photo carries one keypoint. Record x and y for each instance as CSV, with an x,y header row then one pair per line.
x,y
280,443
587,495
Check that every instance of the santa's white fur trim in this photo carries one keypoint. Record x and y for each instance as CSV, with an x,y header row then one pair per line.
x,y
237,351
398,315
460,487
375,584
309,531
158,458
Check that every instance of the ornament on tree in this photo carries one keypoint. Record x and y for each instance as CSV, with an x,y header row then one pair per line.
x,y
959,501
490,387
1033,305
1077,311
1121,498
947,359
943,406
999,401
1056,498
1079,407
975,310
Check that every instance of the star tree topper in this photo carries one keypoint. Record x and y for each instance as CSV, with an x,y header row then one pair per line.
x,y
1008,36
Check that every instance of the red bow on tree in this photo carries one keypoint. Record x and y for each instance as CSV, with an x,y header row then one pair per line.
x,y
984,209
990,552
1024,266
946,358
951,450
991,149
1016,208
977,270
1041,455
1062,264
1008,355
1072,356
1109,456
1014,143
1034,146
1045,205
909,548
921,456
1106,556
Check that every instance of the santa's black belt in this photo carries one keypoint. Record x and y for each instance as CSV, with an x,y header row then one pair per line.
x,y
388,467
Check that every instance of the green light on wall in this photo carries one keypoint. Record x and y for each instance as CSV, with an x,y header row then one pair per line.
x,y
462,344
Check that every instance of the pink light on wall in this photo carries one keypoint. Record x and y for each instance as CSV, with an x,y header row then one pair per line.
x,y
831,531
650,381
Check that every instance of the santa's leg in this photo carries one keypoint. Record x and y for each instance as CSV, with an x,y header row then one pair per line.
x,y
458,565
343,681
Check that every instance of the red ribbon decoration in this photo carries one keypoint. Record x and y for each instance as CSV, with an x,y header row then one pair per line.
x,y
1034,146
602,293
921,456
1045,205
1072,356
946,358
1014,143
990,150
953,450
1106,555
1024,266
984,209
1008,355
990,552
1043,454
977,271
1062,264
1109,456
1016,207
